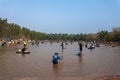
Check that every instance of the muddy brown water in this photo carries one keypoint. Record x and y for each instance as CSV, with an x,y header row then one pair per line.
x,y
37,65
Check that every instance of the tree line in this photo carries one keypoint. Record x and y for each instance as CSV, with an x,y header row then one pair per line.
x,y
15,31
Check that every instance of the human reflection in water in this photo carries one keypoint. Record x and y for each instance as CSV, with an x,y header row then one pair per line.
x,y
23,55
80,58
57,69
62,53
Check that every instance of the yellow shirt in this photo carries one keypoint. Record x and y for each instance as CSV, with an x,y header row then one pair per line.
x,y
24,42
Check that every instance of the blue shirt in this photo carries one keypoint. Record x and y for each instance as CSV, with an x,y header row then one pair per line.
x,y
56,58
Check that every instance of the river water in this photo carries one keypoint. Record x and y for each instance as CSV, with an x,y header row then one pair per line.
x,y
37,65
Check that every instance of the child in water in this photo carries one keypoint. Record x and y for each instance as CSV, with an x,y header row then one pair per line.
x,y
56,58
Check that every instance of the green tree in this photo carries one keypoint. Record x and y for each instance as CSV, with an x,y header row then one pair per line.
x,y
102,35
116,34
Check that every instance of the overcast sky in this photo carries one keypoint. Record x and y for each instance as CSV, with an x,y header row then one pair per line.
x,y
62,16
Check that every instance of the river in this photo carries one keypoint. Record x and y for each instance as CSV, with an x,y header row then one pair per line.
x,y
37,65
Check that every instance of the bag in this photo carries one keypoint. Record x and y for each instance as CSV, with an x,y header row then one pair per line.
x,y
78,53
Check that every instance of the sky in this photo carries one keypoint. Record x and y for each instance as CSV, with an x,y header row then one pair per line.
x,y
62,16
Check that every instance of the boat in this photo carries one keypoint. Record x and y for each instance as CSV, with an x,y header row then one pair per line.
x,y
23,52
91,47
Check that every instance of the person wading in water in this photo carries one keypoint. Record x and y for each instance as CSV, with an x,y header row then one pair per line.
x,y
80,48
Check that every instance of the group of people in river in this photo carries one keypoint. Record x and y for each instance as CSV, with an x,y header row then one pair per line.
x,y
92,45
56,56
88,45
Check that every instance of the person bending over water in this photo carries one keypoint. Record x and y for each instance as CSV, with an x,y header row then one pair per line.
x,y
24,49
56,58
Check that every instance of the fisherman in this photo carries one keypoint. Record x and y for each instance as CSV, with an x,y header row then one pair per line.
x,y
23,49
56,58
63,45
25,43
80,47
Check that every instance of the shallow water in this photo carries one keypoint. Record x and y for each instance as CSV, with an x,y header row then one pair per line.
x,y
38,64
